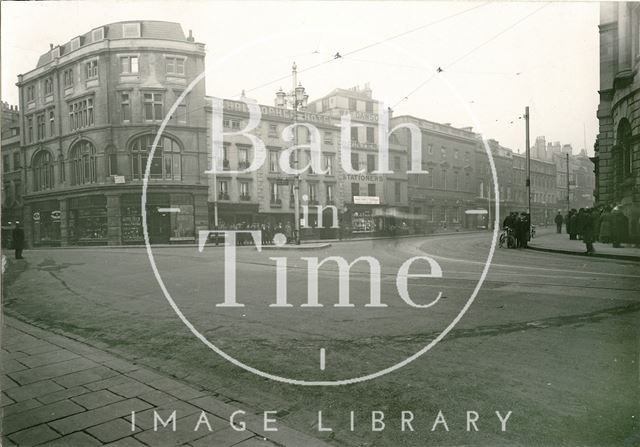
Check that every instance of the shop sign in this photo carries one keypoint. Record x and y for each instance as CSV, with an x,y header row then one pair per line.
x,y
118,179
481,211
36,216
55,215
366,200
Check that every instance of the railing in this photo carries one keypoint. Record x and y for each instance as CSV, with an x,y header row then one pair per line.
x,y
245,197
223,196
276,203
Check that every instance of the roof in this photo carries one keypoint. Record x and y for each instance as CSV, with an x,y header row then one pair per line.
x,y
149,29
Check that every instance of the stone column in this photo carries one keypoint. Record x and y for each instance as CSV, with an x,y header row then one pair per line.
x,y
27,225
624,39
114,220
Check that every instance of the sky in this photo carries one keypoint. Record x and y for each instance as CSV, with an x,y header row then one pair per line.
x,y
496,58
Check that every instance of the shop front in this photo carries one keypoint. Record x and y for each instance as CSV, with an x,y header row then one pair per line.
x,y
87,220
231,215
170,218
45,223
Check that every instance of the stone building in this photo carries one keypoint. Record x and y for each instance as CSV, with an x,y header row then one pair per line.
x,y
90,110
617,148
12,172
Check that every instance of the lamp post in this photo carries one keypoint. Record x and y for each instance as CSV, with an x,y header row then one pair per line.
x,y
297,99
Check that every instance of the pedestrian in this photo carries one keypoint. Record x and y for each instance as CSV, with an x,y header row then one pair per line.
x,y
606,226
619,227
580,221
18,240
573,222
588,229
558,220
567,219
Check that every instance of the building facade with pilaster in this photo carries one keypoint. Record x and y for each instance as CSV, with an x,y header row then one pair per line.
x,y
90,111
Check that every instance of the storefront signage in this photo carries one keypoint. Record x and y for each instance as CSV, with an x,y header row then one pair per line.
x,y
55,215
366,200
118,179
36,216
363,178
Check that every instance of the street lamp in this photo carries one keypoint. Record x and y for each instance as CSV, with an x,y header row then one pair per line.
x,y
297,99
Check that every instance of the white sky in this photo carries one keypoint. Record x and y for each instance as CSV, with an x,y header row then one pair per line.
x,y
555,51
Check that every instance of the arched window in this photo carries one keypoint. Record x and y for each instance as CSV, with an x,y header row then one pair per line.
x,y
166,163
42,171
82,158
623,156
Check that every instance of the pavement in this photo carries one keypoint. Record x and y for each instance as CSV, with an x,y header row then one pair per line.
x,y
60,392
560,243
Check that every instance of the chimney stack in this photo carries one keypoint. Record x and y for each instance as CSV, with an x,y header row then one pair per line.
x,y
190,38
51,46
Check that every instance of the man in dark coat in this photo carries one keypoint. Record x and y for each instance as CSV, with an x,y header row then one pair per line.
x,y
588,229
573,224
558,220
18,240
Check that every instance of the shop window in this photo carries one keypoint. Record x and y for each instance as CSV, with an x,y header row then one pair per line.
x,y
371,189
371,163
166,163
355,162
82,158
42,171
87,222
398,191
329,197
46,222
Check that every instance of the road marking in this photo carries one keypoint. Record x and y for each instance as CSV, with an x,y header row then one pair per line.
x,y
168,210
322,355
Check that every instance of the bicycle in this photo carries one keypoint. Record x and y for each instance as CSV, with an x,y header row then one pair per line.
x,y
507,238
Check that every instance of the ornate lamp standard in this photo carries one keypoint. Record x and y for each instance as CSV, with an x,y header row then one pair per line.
x,y
297,100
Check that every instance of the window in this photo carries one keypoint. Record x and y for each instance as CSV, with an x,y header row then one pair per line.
x,y
225,122
75,43
223,190
329,195
82,160
130,30
42,171
41,126
180,114
48,86
430,149
6,167
153,106
125,107
456,154
129,64
354,134
313,193
52,123
97,34
81,114
244,191
273,161
273,130
369,107
225,156
328,137
243,157
17,161
166,163
396,163
355,162
30,129
456,181
68,78
235,124
371,163
91,69
328,164
371,189
355,189
31,93
370,134
398,191
444,179
275,193
353,104
443,152
175,66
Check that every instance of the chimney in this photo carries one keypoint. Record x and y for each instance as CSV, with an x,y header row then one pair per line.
x,y
50,46
190,38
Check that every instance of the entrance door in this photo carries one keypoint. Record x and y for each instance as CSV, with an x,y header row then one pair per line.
x,y
159,226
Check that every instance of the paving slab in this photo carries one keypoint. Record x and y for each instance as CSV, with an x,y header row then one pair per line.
x,y
33,390
34,435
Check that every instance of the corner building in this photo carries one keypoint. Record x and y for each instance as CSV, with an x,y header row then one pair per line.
x,y
617,150
90,112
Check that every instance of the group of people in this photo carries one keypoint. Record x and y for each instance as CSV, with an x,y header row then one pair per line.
x,y
519,225
604,224
267,231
